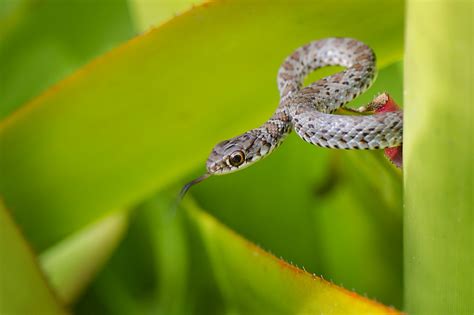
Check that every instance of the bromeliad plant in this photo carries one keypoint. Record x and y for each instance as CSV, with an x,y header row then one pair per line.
x,y
89,167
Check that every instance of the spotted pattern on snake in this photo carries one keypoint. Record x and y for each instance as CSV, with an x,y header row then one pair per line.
x,y
309,110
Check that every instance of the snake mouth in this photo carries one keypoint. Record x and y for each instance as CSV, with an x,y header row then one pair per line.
x,y
218,168
213,167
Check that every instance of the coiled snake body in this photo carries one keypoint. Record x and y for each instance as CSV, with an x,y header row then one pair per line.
x,y
309,110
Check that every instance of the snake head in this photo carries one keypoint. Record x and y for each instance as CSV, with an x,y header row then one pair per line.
x,y
234,154
237,153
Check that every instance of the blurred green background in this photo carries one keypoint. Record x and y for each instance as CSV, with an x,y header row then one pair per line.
x,y
90,168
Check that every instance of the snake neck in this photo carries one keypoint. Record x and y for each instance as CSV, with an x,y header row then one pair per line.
x,y
275,129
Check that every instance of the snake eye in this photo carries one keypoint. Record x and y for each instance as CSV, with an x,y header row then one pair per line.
x,y
237,158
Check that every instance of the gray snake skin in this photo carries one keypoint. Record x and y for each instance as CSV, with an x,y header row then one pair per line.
x,y
308,110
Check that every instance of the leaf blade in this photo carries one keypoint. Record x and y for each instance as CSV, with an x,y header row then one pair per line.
x,y
72,264
255,282
21,278
438,150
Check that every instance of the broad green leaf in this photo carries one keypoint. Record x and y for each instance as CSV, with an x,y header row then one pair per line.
x,y
41,42
73,263
136,119
255,282
23,288
438,151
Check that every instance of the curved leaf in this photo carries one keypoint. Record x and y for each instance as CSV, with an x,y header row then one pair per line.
x,y
255,282
73,263
20,277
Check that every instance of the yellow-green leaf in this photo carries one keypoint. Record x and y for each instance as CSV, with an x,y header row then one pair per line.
x,y
255,282
23,288
73,263
438,152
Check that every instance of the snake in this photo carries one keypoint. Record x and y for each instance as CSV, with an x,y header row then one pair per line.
x,y
309,111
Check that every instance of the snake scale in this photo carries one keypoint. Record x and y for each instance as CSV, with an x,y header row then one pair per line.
x,y
309,110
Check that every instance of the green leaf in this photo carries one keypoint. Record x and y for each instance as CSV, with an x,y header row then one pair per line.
x,y
438,151
73,263
23,288
135,120
255,282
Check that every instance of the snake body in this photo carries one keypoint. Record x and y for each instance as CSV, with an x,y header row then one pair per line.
x,y
309,110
